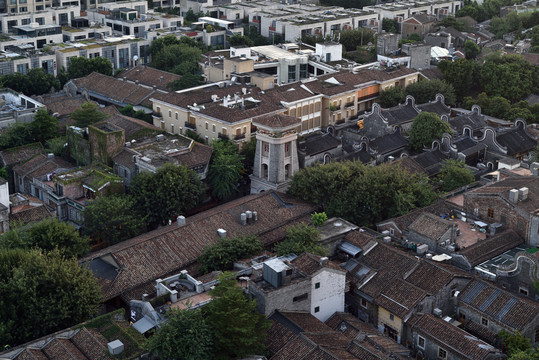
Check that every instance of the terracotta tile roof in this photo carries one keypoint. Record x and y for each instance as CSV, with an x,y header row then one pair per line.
x,y
91,343
365,351
20,154
399,297
30,215
278,336
498,304
42,165
359,238
431,277
149,76
151,255
130,125
200,154
115,89
481,332
452,338
491,247
349,325
62,105
297,348
277,121
305,321
430,226
309,264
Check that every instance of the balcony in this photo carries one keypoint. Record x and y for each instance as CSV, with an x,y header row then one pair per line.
x,y
158,116
349,105
223,136
190,126
239,137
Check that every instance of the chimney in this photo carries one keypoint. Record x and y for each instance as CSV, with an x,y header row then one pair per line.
x,y
221,233
181,220
324,261
523,193
161,79
145,297
243,218
255,216
513,195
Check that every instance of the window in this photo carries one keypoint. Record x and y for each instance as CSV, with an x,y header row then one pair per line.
x,y
363,303
169,113
158,110
490,212
300,297
484,321
213,127
392,231
317,309
317,285
420,342
442,354
391,317
523,290
176,116
206,125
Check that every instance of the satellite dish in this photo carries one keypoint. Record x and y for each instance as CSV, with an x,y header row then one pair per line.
x,y
135,58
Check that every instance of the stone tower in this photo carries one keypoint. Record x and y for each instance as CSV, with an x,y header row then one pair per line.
x,y
276,157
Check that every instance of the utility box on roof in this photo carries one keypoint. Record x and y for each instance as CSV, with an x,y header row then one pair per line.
x,y
115,347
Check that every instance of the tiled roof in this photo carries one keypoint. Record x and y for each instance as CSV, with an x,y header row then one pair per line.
x,y
399,297
431,277
309,264
431,161
305,321
30,215
349,325
62,105
20,154
297,348
400,114
149,76
41,165
150,256
424,18
115,89
437,107
491,247
318,143
475,121
501,189
408,163
451,337
278,336
200,154
431,226
277,121
516,140
388,143
125,158
498,304
130,125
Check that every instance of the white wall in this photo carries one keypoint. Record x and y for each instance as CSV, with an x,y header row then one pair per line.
x,y
330,296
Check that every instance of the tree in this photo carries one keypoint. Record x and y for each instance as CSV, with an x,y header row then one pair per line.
x,y
451,21
239,330
351,39
460,74
44,286
185,336
171,191
426,90
248,150
427,127
48,234
391,97
455,175
514,343
112,219
361,194
80,66
319,218
299,239
222,255
87,114
181,59
185,82
390,25
471,49
41,82
43,127
225,170
240,40
535,158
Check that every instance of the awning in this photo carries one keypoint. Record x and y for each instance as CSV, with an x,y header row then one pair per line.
x,y
144,324
480,224
350,249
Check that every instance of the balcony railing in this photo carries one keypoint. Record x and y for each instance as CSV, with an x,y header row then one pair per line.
x,y
239,137
190,126
223,136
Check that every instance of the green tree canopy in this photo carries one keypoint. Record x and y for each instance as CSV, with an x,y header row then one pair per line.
x,y
185,336
454,175
222,255
87,114
361,194
48,234
226,168
451,21
80,66
391,97
171,191
514,343
426,90
42,128
238,329
185,82
460,74
112,219
299,239
351,39
36,82
390,25
427,127
44,286
240,40
180,59
471,49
